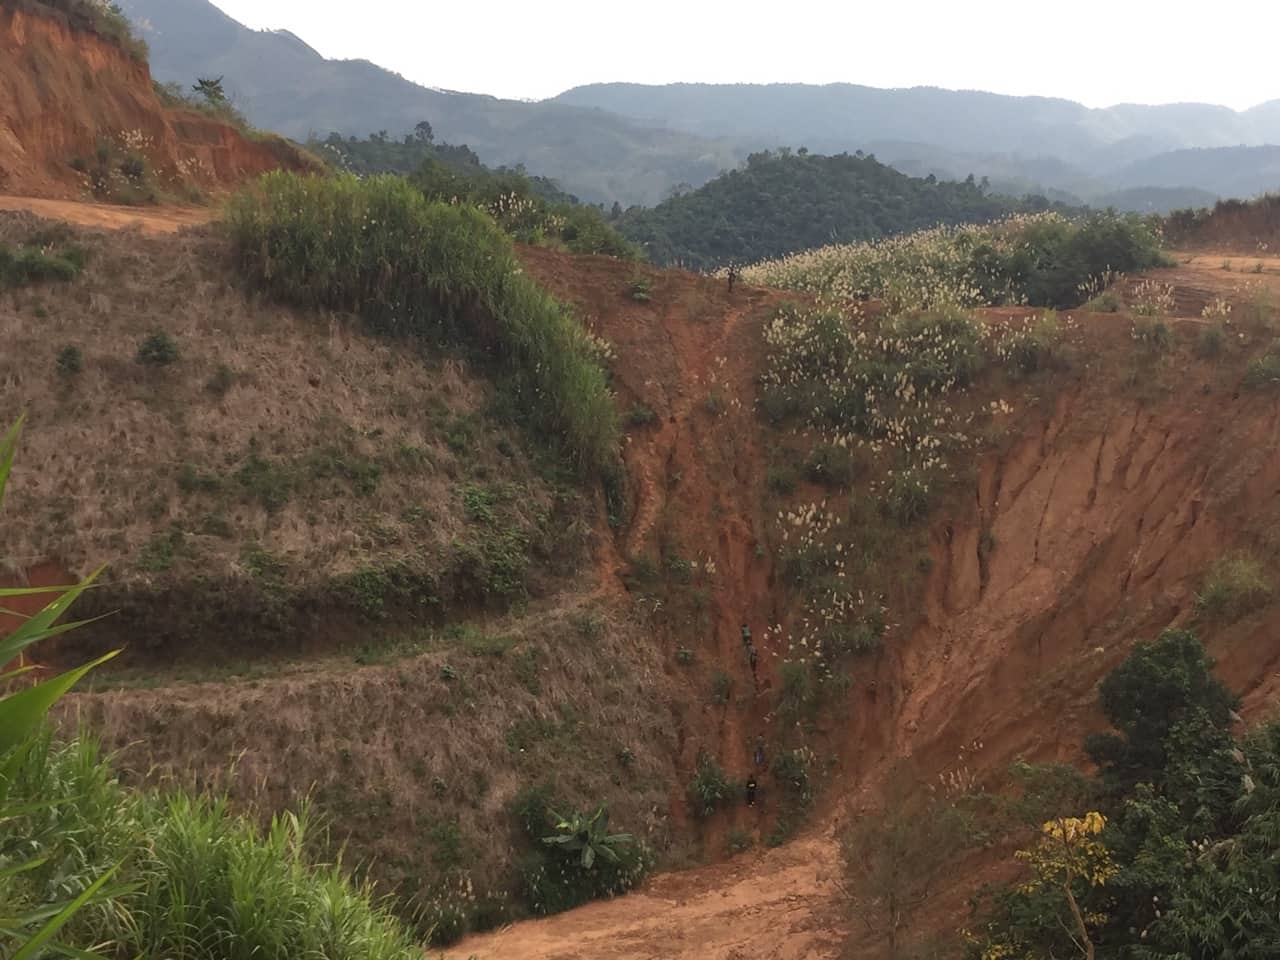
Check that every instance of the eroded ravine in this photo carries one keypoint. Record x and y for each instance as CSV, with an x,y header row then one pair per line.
x,y
1101,515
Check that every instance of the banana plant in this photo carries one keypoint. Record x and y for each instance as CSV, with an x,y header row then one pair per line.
x,y
22,711
588,837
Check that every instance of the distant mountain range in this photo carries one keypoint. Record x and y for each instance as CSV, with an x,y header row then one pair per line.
x,y
282,84
633,143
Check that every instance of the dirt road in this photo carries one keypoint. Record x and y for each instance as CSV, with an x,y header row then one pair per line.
x,y
775,905
147,219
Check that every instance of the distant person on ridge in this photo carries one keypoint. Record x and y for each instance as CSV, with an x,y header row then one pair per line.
x,y
746,635
733,275
753,658
759,754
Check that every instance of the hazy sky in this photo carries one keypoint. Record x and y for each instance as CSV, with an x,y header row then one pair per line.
x,y
1099,53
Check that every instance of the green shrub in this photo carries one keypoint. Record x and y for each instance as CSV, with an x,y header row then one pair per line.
x,y
1212,340
557,874
830,465
70,361
739,842
1032,348
33,264
906,497
1105,302
413,267
640,416
1153,334
781,479
530,209
1264,371
791,769
710,788
265,481
221,381
720,687
158,350
797,693
640,288
1237,584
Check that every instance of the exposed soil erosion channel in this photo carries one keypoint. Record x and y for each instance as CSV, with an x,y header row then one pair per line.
x,y
1091,527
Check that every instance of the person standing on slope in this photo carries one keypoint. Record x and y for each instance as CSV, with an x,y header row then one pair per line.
x,y
751,790
759,752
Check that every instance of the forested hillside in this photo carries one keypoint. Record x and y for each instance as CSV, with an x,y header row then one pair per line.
x,y
783,202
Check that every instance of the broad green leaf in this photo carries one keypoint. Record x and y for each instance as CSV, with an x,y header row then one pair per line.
x,y
40,625
28,591
21,713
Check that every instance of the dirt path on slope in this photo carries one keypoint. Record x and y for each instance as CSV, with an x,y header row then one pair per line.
x,y
147,219
769,906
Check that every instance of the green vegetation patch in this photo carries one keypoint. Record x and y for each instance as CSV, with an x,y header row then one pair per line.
x,y
34,263
1042,259
414,267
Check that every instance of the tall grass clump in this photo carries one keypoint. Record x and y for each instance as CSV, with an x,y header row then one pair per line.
x,y
196,881
1038,259
1236,584
408,266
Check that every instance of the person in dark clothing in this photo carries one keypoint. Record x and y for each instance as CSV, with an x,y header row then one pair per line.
x,y
751,791
733,275
753,658
746,635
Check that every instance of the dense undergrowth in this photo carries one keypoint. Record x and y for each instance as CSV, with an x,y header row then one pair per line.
x,y
191,879
530,208
1040,260
409,266
1169,851
875,405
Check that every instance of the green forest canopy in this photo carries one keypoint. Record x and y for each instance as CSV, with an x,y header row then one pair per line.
x,y
782,202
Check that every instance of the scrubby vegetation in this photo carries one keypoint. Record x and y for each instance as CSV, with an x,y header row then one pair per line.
x,y
1236,585
1042,260
875,395
413,267
101,17
118,169
778,203
531,209
206,96
572,859
1251,223
86,865
45,259
1169,851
